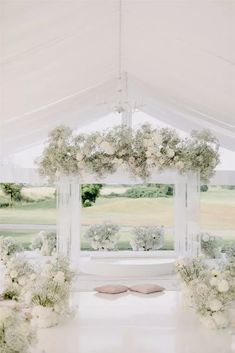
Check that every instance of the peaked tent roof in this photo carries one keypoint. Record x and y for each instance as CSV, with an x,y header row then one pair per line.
x,y
60,63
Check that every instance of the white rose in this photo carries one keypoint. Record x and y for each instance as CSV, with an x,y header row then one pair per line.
x,y
215,305
22,281
170,153
214,281
59,277
157,138
223,286
220,319
148,153
205,237
107,147
179,165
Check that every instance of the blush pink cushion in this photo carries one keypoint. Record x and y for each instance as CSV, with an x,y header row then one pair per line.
x,y
147,288
111,289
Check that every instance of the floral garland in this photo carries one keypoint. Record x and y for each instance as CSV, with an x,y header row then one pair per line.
x,y
140,152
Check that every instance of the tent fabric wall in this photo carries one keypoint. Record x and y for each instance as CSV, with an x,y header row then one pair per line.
x,y
60,62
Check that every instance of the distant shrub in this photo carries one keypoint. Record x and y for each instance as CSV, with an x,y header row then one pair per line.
x,y
204,188
4,204
13,191
89,193
149,191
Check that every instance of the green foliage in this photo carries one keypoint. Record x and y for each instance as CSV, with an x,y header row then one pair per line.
x,y
13,191
204,188
90,192
146,191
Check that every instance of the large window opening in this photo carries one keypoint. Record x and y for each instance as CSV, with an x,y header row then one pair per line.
x,y
134,209
218,213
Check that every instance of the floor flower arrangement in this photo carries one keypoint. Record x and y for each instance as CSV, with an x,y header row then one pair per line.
x,y
211,289
16,332
41,295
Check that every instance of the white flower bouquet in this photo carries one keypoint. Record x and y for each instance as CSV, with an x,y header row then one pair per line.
x,y
45,242
8,247
102,236
210,246
147,238
16,333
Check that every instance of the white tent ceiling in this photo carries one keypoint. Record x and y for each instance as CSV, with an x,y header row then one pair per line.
x,y
60,62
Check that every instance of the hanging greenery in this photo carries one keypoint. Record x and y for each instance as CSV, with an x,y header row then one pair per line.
x,y
138,151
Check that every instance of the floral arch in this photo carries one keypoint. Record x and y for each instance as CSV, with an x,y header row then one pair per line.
x,y
122,155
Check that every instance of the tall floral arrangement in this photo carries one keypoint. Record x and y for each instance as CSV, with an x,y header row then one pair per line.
x,y
19,276
139,152
211,289
50,293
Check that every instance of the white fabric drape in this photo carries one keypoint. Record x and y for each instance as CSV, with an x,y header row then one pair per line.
x,y
68,218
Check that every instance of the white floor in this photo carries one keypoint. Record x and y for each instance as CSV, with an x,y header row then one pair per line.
x,y
133,323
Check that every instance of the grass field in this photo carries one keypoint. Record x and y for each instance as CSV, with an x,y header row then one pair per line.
x,y
217,214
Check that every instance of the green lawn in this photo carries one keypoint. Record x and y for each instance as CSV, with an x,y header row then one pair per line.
x,y
217,214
